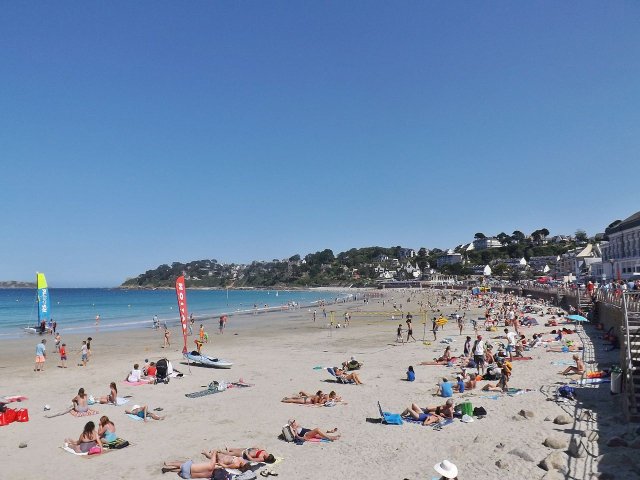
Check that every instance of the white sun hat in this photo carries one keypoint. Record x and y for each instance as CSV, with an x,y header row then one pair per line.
x,y
446,469
467,419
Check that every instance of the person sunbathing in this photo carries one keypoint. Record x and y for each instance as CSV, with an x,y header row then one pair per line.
x,y
417,413
80,404
347,376
107,430
189,469
302,433
492,388
252,454
143,412
225,460
88,439
566,348
444,411
112,396
305,398
445,359
578,369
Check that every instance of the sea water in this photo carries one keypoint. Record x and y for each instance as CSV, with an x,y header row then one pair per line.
x,y
75,309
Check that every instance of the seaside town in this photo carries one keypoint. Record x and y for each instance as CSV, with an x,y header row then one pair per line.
x,y
535,368
318,240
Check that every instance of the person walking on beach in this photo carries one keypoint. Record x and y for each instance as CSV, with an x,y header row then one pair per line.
x,y
460,323
167,333
57,340
478,354
314,316
409,330
191,322
41,355
63,356
221,324
97,320
54,326
83,354
201,334
434,328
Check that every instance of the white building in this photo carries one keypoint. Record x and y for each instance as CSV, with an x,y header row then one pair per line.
x,y
621,254
485,243
449,258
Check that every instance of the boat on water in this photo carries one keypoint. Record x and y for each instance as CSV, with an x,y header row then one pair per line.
x,y
44,313
200,359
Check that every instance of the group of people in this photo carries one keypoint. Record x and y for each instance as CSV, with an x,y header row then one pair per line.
x,y
61,348
236,458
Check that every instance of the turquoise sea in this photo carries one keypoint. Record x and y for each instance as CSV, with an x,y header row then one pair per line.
x,y
75,309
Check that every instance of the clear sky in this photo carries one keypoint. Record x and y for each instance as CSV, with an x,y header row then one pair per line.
x,y
139,133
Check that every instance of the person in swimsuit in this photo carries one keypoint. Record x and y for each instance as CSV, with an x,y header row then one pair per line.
x,y
417,413
302,433
347,376
305,398
80,402
88,439
143,412
189,469
444,411
113,394
107,430
251,454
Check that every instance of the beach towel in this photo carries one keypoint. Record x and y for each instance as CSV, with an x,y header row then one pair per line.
x,y
136,384
134,417
563,363
522,358
72,451
389,418
88,413
512,392
591,381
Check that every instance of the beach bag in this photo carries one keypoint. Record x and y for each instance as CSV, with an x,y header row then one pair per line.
x,y
287,433
479,412
466,409
567,392
22,415
9,416
95,450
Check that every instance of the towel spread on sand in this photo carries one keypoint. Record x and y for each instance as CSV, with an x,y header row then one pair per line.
x,y
71,450
134,417
84,414
135,384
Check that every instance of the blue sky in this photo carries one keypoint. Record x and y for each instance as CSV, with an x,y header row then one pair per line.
x,y
139,133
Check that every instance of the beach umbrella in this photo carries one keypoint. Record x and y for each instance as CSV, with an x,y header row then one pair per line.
x,y
577,318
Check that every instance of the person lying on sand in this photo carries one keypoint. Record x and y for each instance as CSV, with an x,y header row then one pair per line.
x,y
565,348
308,434
189,469
444,411
417,413
88,439
305,398
227,461
252,454
143,412
578,369
347,376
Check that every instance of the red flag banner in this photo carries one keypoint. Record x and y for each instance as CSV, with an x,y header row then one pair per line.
x,y
181,294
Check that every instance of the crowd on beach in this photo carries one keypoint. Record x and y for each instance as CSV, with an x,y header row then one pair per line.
x,y
500,338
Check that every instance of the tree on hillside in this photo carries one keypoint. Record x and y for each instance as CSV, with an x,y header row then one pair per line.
x,y
518,236
479,235
581,236
503,238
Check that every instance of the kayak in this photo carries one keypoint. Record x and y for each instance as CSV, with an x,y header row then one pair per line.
x,y
207,361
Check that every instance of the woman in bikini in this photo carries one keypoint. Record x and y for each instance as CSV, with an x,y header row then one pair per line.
x,y
107,430
347,376
80,402
417,413
88,439
305,398
443,360
113,394
252,454
302,433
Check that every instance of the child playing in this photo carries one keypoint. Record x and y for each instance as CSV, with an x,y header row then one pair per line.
x,y
411,375
83,354
63,355
399,334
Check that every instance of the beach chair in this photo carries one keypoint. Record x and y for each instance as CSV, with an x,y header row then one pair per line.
x,y
389,418
338,379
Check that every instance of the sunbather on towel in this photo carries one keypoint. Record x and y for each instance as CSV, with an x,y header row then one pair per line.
x,y
80,404
306,398
443,360
112,396
143,412
88,439
227,461
252,454
579,368
308,434
444,411
417,413
347,376
189,469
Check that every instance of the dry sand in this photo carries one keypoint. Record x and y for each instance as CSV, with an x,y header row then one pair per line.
x,y
277,353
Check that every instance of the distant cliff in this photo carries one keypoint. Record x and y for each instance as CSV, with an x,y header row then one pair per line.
x,y
16,284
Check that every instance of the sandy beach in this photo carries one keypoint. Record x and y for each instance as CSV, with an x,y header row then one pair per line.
x,y
277,353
